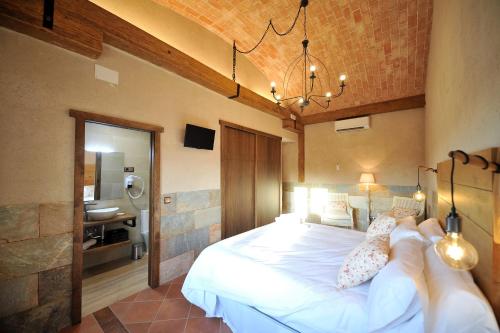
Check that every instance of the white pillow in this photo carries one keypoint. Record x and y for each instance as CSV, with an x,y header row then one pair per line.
x,y
406,229
431,229
399,291
456,303
383,225
409,220
363,262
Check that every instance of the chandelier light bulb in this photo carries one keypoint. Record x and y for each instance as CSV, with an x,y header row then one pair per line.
x,y
456,252
278,97
301,100
273,84
312,68
342,77
328,95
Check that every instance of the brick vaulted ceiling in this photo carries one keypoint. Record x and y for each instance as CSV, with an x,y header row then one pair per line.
x,y
382,45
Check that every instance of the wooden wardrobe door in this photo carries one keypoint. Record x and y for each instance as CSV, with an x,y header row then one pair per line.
x,y
267,180
237,181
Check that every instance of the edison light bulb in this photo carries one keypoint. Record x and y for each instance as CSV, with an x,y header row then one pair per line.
x,y
342,77
456,252
419,196
312,68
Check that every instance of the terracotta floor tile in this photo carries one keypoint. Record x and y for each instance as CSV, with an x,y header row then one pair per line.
x,y
88,325
168,326
174,291
173,309
179,280
203,325
140,312
131,298
151,294
196,312
163,288
120,309
224,328
138,327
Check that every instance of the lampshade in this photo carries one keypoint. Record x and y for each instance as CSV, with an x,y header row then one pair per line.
x,y
367,178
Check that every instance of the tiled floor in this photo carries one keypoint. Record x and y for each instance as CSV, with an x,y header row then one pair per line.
x,y
158,310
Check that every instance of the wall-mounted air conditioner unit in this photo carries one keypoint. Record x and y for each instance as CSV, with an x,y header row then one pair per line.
x,y
352,124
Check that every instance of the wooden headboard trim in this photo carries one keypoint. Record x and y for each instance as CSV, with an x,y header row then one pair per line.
x,y
477,199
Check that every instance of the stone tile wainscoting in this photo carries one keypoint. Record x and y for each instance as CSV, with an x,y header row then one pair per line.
x,y
35,266
381,198
189,223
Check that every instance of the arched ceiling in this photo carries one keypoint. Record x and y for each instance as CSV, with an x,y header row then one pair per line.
x,y
382,45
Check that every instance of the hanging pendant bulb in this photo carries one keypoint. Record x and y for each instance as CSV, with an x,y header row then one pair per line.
x,y
419,195
453,249
456,252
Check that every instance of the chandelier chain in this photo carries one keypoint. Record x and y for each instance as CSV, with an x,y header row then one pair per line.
x,y
270,25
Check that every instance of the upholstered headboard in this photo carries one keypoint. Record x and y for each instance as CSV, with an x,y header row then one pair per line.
x,y
477,198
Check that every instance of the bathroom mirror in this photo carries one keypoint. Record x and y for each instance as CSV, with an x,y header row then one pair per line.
x,y
103,176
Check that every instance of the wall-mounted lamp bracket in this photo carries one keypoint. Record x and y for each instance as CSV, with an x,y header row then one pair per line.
x,y
48,14
475,160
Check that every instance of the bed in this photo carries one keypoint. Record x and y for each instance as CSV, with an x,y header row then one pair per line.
x,y
280,278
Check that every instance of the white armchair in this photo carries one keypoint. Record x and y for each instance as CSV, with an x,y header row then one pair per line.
x,y
337,211
404,203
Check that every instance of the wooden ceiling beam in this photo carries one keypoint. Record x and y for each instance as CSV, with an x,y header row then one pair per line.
x,y
82,27
400,104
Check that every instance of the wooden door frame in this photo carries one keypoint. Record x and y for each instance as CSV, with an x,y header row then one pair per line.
x,y
223,125
81,118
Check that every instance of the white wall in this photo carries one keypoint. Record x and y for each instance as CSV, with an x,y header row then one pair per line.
x,y
463,80
41,82
391,149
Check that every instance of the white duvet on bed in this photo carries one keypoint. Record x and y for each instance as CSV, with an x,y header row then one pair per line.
x,y
288,271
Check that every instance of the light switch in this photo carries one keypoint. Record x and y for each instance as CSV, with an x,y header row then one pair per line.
x,y
167,200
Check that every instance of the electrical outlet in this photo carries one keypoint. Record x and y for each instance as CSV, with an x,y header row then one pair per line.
x,y
167,200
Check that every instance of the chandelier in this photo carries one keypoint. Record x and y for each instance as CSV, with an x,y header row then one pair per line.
x,y
307,66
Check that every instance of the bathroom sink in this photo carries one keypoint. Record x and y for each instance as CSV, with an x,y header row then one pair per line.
x,y
102,213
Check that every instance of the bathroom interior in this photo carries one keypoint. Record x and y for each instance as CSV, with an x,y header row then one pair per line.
x,y
116,214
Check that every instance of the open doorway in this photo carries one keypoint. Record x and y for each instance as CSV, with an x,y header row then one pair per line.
x,y
116,216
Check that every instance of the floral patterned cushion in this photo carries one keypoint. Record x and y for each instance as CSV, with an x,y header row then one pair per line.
x,y
364,262
383,225
399,213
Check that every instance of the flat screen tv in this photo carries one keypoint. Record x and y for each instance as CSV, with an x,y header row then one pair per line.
x,y
199,137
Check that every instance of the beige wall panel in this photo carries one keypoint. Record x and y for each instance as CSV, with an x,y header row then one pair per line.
x,y
391,149
463,79
41,82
